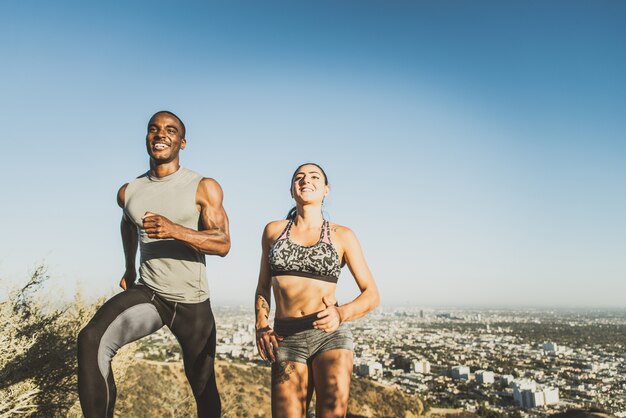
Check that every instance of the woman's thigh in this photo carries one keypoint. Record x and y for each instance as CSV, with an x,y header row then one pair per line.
x,y
289,389
332,372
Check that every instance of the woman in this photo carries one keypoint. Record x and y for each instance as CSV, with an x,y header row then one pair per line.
x,y
310,348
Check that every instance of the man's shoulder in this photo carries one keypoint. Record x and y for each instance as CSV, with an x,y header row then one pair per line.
x,y
188,172
128,187
142,177
209,182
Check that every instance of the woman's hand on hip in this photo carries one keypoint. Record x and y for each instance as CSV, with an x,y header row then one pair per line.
x,y
329,319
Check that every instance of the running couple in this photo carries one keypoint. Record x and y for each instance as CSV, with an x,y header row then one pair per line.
x,y
176,216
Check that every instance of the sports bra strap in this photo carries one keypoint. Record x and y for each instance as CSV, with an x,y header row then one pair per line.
x,y
326,233
285,233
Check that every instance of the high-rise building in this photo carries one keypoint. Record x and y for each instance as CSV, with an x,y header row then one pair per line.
x,y
507,379
372,368
520,386
460,372
401,361
531,399
484,376
421,366
528,395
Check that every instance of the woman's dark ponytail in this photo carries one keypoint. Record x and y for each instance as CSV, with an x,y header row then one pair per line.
x,y
291,216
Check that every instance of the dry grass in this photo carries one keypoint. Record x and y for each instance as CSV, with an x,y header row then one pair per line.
x,y
160,389
38,371
38,352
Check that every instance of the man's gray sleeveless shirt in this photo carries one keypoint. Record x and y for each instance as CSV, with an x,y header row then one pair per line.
x,y
173,269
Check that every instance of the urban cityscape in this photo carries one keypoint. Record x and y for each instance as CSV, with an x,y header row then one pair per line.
x,y
530,363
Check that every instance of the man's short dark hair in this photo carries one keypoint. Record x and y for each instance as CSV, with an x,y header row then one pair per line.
x,y
174,115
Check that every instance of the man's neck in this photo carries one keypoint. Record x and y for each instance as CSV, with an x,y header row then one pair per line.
x,y
165,169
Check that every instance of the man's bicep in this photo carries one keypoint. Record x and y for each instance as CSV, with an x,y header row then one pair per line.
x,y
212,208
214,217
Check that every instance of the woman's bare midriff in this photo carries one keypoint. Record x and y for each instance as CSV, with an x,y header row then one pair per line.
x,y
297,296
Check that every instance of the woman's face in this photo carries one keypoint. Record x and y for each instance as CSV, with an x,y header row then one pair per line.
x,y
309,184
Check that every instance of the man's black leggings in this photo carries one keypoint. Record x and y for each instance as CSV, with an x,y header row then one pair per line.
x,y
131,315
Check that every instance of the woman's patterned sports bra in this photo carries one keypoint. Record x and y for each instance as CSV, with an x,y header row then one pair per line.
x,y
319,261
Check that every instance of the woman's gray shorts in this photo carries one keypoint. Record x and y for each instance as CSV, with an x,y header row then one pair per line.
x,y
301,342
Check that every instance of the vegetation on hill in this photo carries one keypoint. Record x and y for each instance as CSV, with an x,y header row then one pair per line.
x,y
38,371
37,352
159,389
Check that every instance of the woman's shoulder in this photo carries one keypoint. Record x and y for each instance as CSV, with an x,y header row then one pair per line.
x,y
340,231
274,228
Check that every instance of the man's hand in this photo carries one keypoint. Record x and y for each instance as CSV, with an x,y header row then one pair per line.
x,y
267,343
157,226
128,279
330,319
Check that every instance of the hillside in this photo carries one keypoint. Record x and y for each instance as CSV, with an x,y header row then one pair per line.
x,y
160,389
38,373
580,413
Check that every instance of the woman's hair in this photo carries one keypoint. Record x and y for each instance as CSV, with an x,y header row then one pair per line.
x,y
294,210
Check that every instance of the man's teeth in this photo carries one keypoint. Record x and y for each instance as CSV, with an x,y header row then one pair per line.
x,y
160,146
307,190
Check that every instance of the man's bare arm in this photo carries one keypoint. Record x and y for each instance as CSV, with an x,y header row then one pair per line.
x,y
213,238
130,241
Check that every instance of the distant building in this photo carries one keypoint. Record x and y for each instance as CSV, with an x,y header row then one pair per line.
x,y
520,386
551,396
507,379
593,367
420,366
528,395
401,361
550,348
483,376
531,399
460,372
373,368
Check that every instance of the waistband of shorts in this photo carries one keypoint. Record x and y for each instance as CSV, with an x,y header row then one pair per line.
x,y
289,326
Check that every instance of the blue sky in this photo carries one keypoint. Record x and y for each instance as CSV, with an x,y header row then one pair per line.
x,y
478,149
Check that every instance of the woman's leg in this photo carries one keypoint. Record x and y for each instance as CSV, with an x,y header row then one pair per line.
x,y
289,389
332,371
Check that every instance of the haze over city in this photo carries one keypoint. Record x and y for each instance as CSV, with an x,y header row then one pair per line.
x,y
476,149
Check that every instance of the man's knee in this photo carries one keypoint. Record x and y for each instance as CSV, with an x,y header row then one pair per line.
x,y
199,375
88,338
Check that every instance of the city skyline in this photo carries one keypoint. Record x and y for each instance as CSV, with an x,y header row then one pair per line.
x,y
542,363
476,150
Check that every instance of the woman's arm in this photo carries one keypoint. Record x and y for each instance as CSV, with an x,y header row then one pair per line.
x,y
267,340
369,297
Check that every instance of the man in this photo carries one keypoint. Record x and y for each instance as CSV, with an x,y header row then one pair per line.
x,y
176,216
